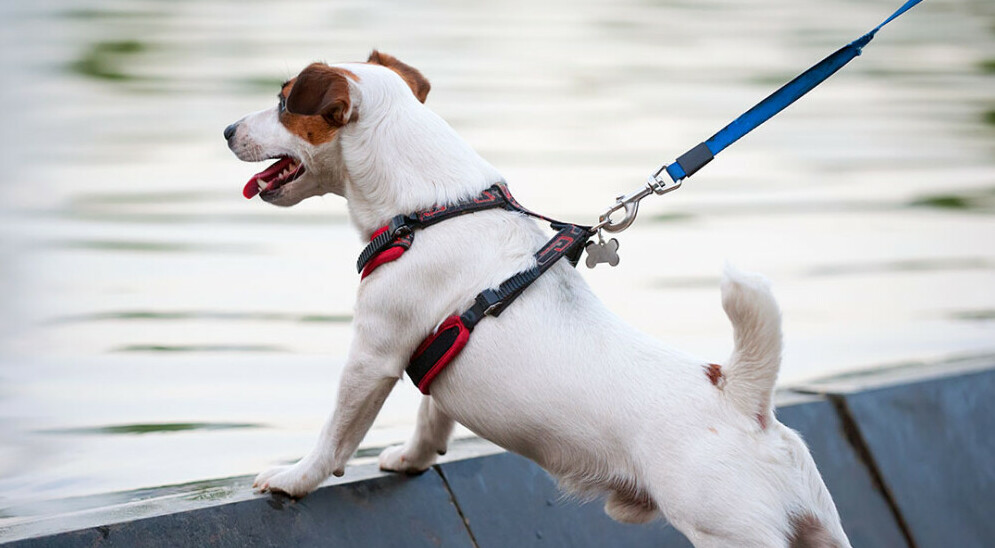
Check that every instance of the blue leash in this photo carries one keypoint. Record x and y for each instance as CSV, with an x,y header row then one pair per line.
x,y
696,158
691,161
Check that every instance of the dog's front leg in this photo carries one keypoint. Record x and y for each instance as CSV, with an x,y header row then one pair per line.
x,y
430,440
362,390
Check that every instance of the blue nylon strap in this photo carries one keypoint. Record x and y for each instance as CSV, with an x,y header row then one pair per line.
x,y
697,157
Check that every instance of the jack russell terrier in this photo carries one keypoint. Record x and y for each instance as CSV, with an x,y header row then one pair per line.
x,y
557,377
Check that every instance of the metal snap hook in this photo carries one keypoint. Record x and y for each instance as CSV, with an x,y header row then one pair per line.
x,y
631,208
658,183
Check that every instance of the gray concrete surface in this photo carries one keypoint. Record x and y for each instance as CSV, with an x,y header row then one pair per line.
x,y
866,514
907,453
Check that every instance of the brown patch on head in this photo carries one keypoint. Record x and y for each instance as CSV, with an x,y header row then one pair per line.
x,y
809,532
416,81
317,102
714,373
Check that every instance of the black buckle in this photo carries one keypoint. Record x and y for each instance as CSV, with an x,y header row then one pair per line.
x,y
490,301
487,303
400,225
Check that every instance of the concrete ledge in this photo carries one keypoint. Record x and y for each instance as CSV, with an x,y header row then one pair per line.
x,y
867,518
508,500
383,511
906,452
931,441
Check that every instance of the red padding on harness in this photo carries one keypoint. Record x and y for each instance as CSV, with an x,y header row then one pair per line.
x,y
385,256
435,352
390,254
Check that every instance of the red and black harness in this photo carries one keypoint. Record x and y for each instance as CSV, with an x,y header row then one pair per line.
x,y
440,348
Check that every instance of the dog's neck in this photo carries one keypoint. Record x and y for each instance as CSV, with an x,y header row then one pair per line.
x,y
401,157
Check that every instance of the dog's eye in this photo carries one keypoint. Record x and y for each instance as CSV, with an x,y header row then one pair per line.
x,y
283,103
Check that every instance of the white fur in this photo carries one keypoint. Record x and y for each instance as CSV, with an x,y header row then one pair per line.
x,y
557,377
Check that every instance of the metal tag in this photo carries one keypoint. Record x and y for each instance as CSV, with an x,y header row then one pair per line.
x,y
602,252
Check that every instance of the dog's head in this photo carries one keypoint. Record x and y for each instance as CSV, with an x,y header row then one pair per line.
x,y
302,131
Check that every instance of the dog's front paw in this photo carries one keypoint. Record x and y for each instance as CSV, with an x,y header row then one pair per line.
x,y
295,481
400,459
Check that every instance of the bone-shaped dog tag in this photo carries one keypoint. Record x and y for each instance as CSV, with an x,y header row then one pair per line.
x,y
602,252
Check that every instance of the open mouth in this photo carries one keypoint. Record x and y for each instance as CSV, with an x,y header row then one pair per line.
x,y
284,170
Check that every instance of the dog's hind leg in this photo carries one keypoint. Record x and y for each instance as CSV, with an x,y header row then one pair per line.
x,y
809,532
430,439
630,507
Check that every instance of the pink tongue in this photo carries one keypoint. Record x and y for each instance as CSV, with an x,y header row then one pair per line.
x,y
252,187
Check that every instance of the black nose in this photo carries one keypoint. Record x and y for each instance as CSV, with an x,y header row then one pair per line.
x,y
230,130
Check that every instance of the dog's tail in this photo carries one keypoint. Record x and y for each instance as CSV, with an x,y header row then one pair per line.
x,y
756,320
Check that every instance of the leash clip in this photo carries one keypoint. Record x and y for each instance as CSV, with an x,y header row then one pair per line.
x,y
658,184
661,182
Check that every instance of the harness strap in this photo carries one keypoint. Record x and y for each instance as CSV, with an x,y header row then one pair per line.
x,y
568,242
402,225
398,227
390,252
448,340
390,241
441,347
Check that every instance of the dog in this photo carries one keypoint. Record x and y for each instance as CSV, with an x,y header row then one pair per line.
x,y
557,377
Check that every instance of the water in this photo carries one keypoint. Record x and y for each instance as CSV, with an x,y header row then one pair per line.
x,y
157,328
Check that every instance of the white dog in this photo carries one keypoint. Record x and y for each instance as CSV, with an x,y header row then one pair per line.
x,y
557,377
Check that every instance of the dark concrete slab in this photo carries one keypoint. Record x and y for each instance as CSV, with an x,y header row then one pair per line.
x,y
867,518
924,431
387,511
934,446
508,500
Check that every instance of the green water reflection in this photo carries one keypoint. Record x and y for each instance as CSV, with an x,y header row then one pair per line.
x,y
152,428
108,60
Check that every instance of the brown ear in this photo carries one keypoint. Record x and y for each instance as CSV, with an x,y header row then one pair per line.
x,y
321,89
416,81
